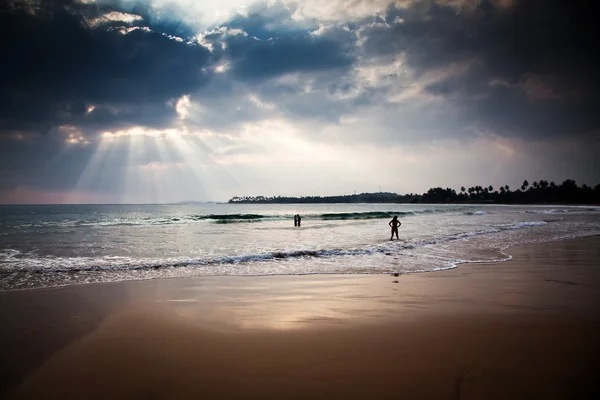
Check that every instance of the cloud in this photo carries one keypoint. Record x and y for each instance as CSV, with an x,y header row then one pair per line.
x,y
258,59
338,10
109,94
102,69
545,60
114,17
56,67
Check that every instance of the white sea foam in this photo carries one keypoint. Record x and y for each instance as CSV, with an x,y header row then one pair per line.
x,y
521,225
553,211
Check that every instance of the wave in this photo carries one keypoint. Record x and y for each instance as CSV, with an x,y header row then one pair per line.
x,y
476,213
226,217
546,211
14,261
364,215
230,218
211,218
521,225
380,214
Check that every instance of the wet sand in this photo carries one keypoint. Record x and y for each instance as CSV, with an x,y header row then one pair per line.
x,y
526,328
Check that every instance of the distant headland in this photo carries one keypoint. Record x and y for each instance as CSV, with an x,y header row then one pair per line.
x,y
539,192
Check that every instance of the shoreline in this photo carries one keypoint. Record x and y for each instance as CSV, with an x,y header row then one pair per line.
x,y
454,266
544,287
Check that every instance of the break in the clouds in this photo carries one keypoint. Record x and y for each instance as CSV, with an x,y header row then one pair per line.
x,y
166,100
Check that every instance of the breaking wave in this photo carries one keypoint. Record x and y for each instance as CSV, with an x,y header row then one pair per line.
x,y
13,261
211,218
546,211
364,215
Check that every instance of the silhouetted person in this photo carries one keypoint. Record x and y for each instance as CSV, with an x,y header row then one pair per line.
x,y
296,220
299,219
394,223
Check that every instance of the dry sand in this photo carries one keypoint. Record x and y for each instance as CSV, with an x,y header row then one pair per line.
x,y
526,328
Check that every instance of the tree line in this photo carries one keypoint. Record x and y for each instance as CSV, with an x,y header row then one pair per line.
x,y
538,192
381,197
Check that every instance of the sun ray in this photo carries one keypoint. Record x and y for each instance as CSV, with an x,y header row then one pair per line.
x,y
175,184
192,160
133,188
92,173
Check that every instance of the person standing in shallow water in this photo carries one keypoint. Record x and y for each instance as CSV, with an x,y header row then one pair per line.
x,y
299,219
394,224
296,220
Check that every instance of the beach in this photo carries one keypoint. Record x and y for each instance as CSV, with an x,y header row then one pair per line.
x,y
525,328
286,199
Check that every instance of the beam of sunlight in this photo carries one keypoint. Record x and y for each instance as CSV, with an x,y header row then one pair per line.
x,y
178,182
93,172
133,189
193,158
189,181
168,165
165,185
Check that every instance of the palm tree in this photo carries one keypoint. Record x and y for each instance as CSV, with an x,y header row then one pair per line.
x,y
491,188
507,188
462,189
525,185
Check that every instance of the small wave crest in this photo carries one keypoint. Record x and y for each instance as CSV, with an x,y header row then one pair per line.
x,y
553,211
363,215
231,218
521,225
14,260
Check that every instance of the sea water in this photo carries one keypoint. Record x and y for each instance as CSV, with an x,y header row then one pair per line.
x,y
55,245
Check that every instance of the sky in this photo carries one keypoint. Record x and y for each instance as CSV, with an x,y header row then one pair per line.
x,y
135,101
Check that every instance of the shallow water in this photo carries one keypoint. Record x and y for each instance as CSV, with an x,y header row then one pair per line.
x,y
43,246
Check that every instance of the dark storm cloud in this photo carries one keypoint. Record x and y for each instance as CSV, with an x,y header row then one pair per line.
x,y
59,62
534,64
264,59
531,67
262,46
55,66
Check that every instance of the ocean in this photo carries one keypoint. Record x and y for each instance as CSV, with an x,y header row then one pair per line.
x,y
56,245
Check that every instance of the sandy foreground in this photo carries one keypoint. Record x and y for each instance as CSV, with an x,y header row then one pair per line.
x,y
527,328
